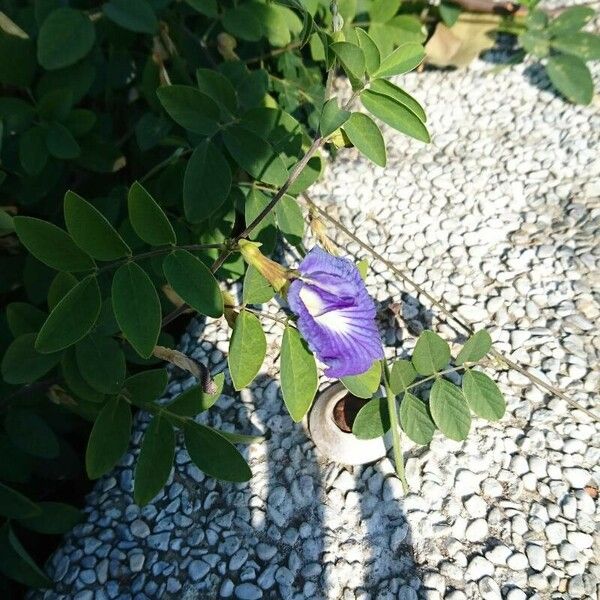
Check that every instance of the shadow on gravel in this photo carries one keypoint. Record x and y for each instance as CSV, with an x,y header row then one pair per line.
x,y
536,75
293,532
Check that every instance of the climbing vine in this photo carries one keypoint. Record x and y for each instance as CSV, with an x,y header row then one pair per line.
x,y
152,153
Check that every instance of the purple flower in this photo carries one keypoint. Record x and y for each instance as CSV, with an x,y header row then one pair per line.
x,y
336,315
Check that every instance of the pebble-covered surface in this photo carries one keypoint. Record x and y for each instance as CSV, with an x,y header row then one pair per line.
x,y
500,218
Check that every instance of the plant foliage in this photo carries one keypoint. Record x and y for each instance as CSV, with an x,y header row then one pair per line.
x,y
140,140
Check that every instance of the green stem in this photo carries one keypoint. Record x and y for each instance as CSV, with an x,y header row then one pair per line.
x,y
395,427
297,87
179,152
157,252
258,313
276,52
437,375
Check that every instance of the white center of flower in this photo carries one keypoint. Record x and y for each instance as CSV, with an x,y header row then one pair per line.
x,y
314,304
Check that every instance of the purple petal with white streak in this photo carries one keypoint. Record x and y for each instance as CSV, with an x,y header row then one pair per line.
x,y
336,315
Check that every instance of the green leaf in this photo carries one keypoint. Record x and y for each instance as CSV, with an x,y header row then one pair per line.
x,y
195,400
190,108
370,50
242,22
6,221
60,143
290,219
16,114
449,410
265,232
415,419
72,318
309,175
332,117
24,318
75,381
583,45
206,7
387,88
101,363
65,37
31,434
299,377
449,13
352,59
571,77
56,518
135,15
107,323
402,60
214,455
147,386
372,420
218,87
109,437
571,20
15,505
33,153
247,349
51,245
366,136
55,105
91,231
151,130
80,121
193,282
15,465
147,218
536,19
278,22
395,114
431,353
136,307
155,460
21,362
535,42
475,348
402,375
255,155
17,60
365,384
207,182
16,563
257,290
483,395
76,79
398,30
383,10
62,283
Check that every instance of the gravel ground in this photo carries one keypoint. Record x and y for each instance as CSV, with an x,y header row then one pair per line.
x,y
500,218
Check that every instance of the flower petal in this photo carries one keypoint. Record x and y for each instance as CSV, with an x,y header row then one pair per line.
x,y
336,315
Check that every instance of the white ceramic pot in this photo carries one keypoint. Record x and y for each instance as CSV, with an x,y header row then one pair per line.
x,y
334,443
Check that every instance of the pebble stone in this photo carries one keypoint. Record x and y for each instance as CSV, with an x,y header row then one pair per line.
x,y
498,216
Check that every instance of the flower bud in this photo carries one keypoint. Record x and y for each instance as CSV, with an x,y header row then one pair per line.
x,y
226,45
273,272
229,312
320,232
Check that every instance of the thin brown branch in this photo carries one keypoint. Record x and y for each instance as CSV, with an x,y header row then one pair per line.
x,y
276,52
